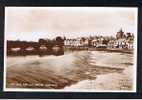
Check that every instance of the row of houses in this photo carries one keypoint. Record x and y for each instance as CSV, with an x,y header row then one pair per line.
x,y
76,42
120,41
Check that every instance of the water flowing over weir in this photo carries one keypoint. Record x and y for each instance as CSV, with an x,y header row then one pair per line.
x,y
58,72
110,69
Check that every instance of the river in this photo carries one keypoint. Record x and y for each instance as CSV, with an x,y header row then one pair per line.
x,y
74,70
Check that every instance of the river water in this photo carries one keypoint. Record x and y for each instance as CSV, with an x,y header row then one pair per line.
x,y
76,70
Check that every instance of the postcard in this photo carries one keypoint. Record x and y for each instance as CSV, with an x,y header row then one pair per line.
x,y
70,49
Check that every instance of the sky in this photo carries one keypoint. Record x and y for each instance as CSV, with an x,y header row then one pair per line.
x,y
32,23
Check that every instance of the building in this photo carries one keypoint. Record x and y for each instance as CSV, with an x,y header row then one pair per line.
x,y
120,34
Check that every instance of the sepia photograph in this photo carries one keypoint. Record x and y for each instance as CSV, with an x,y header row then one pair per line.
x,y
70,49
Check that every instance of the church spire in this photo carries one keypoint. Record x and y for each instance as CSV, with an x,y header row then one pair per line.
x,y
121,31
